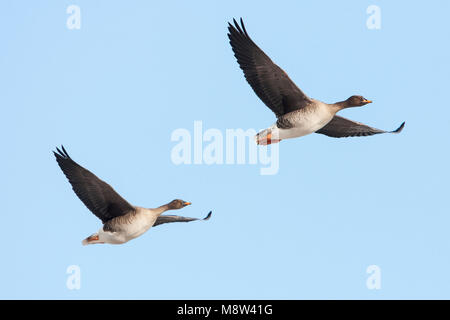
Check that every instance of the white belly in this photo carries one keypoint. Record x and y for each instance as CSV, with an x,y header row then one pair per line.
x,y
138,228
140,225
308,123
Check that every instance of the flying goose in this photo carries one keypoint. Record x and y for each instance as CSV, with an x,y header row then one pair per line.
x,y
297,114
121,220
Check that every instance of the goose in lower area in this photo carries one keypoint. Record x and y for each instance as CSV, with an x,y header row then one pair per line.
x,y
297,114
121,220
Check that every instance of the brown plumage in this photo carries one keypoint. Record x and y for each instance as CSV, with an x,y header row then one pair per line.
x,y
297,114
98,196
121,221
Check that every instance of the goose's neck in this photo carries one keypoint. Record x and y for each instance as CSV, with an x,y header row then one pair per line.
x,y
339,106
161,209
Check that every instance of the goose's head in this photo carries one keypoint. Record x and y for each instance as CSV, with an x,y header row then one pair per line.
x,y
357,101
177,204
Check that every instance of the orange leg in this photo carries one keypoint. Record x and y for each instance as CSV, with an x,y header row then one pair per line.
x,y
92,238
267,140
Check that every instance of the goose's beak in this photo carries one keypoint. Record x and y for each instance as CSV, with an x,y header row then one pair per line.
x,y
368,101
187,203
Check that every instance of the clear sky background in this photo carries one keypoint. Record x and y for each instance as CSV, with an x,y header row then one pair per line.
x,y
114,91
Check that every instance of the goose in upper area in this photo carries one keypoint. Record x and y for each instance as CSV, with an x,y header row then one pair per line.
x,y
121,220
297,114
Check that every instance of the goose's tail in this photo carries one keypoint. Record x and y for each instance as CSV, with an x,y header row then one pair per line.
x,y
266,137
93,239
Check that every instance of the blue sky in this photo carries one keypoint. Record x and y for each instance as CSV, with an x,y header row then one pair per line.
x,y
114,91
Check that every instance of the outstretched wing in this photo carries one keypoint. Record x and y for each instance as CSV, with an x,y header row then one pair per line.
x,y
170,218
271,84
340,127
96,194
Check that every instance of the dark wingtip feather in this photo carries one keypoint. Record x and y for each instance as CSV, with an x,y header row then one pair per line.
x,y
65,152
232,29
238,27
60,153
243,27
208,216
399,129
